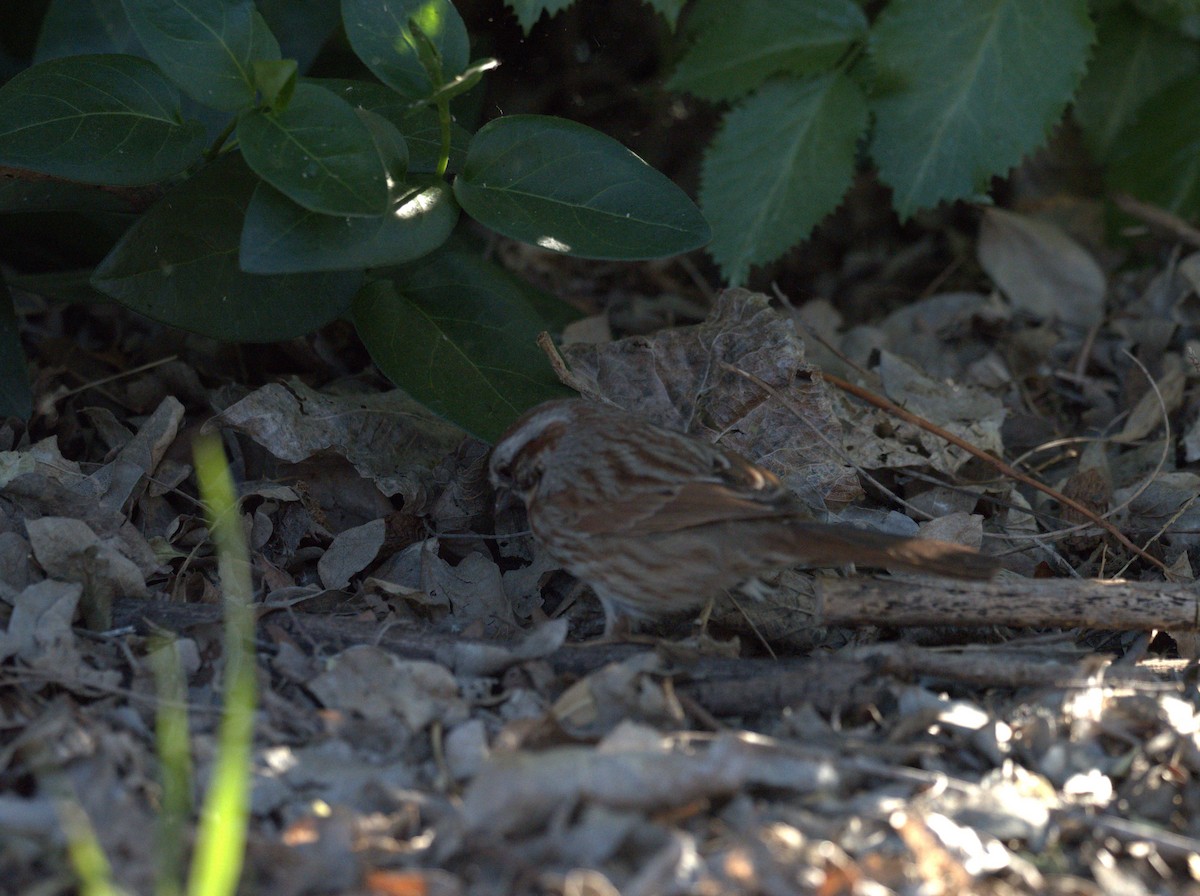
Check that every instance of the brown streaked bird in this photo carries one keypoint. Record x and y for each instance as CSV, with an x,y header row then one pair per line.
x,y
658,522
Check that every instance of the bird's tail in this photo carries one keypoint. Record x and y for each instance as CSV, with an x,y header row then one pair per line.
x,y
828,544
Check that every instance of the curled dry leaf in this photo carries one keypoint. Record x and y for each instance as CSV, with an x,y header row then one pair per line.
x,y
376,683
388,437
1040,269
679,378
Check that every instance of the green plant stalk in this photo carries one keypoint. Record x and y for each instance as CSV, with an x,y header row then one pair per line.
x,y
215,150
443,109
83,849
431,61
171,734
220,840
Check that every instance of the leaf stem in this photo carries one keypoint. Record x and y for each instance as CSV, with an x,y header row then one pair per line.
x,y
213,151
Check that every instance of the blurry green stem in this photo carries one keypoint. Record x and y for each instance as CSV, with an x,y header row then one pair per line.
x,y
220,840
171,735
213,151
443,108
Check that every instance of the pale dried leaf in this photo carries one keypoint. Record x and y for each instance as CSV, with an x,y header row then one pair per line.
x,y
40,634
960,528
40,626
16,564
43,457
878,441
1040,269
69,550
677,378
388,437
351,552
1147,414
473,590
118,481
377,684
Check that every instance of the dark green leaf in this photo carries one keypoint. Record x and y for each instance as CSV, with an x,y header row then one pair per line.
x,y
427,52
317,153
529,11
668,9
461,83
381,37
1157,157
742,45
97,119
16,399
420,127
281,237
1134,59
178,265
965,88
71,28
1182,16
207,47
390,145
565,187
458,334
276,81
302,28
780,163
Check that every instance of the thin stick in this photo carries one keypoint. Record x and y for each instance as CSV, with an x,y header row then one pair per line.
x,y
1000,466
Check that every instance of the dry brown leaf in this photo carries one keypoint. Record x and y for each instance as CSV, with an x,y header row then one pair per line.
x,y
351,551
388,437
67,549
1040,269
676,379
375,683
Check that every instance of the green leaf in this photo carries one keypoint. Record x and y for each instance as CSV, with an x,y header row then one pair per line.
x,y
316,152
420,128
668,9
740,46
71,28
1134,59
16,399
1157,157
390,145
302,28
781,162
207,47
461,83
380,35
98,119
1182,16
458,334
178,265
529,11
276,81
565,187
281,237
965,88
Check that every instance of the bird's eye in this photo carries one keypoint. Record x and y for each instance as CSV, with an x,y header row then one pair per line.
x,y
526,477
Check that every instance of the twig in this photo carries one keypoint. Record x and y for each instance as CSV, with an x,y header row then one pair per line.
x,y
1159,218
1000,466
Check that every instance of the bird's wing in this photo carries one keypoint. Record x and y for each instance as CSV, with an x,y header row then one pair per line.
x,y
727,488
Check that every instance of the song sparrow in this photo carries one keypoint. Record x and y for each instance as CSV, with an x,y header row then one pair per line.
x,y
657,522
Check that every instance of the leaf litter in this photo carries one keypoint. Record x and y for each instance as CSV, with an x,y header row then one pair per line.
x,y
430,721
